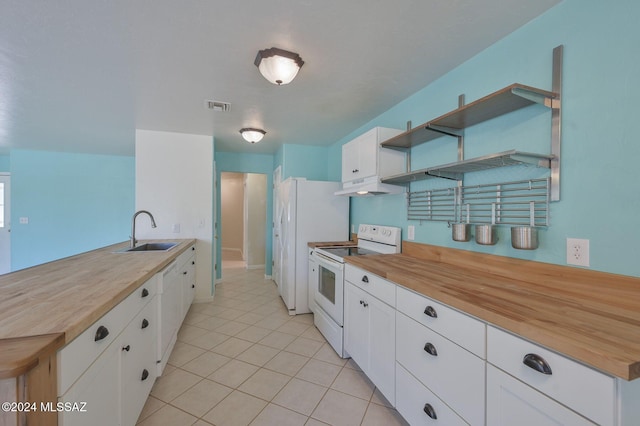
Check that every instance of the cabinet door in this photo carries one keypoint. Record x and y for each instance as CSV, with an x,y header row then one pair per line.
x,y
313,283
356,325
368,155
138,363
382,354
350,161
99,388
188,272
511,402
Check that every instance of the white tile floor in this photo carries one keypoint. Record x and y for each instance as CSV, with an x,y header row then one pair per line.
x,y
243,360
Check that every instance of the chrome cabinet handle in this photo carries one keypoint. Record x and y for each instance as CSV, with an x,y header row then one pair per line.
x,y
429,311
537,363
429,411
430,349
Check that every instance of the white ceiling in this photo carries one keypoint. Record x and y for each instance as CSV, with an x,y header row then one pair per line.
x,y
81,75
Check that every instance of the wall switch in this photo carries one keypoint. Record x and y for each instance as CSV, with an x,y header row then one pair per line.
x,y
411,233
24,220
577,252
176,228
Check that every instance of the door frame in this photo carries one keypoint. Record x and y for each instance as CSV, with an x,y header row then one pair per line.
x,y
5,263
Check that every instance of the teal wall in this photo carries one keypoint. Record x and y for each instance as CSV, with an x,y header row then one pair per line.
x,y
303,161
600,187
245,163
4,163
74,203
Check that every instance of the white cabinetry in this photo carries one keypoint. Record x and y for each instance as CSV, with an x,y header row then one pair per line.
x,y
511,402
104,366
313,280
576,386
369,327
444,364
187,271
363,160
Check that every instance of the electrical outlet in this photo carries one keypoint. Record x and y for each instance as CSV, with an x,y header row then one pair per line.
x,y
577,252
411,232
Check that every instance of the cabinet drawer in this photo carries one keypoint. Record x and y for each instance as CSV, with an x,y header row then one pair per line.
x,y
412,399
460,328
372,284
185,255
454,374
574,385
511,402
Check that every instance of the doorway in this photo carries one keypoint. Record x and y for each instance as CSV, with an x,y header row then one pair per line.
x,y
243,220
5,223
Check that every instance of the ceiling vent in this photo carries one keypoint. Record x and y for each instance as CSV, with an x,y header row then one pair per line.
x,y
217,105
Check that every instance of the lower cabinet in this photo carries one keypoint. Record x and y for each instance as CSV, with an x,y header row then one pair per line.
x,y
98,389
369,338
106,374
511,402
419,406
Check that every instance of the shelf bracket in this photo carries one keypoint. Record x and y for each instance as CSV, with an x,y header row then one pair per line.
x,y
450,131
533,97
556,123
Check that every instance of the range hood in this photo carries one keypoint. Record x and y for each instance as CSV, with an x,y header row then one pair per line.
x,y
369,186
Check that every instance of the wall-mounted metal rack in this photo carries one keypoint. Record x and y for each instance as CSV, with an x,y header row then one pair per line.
x,y
523,202
504,101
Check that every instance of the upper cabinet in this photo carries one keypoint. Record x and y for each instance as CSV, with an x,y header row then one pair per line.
x,y
364,161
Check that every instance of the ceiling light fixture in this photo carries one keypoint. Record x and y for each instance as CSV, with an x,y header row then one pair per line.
x,y
278,66
252,135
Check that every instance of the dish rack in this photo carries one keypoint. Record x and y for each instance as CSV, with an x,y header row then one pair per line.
x,y
524,202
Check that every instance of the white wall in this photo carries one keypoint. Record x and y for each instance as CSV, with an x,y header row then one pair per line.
x,y
174,181
255,219
231,206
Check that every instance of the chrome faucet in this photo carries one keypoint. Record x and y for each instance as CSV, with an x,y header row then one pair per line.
x,y
133,226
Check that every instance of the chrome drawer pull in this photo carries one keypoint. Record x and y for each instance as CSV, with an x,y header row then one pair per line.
x,y
429,311
537,363
429,411
101,333
430,349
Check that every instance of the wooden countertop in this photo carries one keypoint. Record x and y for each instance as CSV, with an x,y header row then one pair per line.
x,y
44,307
590,316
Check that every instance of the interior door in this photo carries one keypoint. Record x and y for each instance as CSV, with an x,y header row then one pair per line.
x,y
5,224
277,212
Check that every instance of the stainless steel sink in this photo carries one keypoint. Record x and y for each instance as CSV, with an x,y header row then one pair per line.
x,y
150,247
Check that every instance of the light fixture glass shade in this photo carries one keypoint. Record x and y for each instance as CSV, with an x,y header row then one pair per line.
x,y
278,66
252,135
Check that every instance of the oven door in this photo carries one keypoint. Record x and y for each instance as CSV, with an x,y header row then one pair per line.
x,y
329,292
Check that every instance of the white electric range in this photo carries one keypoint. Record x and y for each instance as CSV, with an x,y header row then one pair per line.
x,y
329,291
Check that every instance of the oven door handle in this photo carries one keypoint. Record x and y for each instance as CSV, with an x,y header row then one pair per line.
x,y
322,258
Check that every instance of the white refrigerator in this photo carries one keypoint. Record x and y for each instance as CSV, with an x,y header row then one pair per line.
x,y
305,211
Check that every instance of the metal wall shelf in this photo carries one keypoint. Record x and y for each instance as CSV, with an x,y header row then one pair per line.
x,y
456,170
504,101
509,99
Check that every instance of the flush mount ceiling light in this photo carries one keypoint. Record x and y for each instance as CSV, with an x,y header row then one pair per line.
x,y
277,65
252,135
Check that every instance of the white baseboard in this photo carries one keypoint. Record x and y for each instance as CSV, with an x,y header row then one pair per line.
x,y
255,266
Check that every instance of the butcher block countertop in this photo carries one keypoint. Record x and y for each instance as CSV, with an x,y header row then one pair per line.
x,y
44,307
590,316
